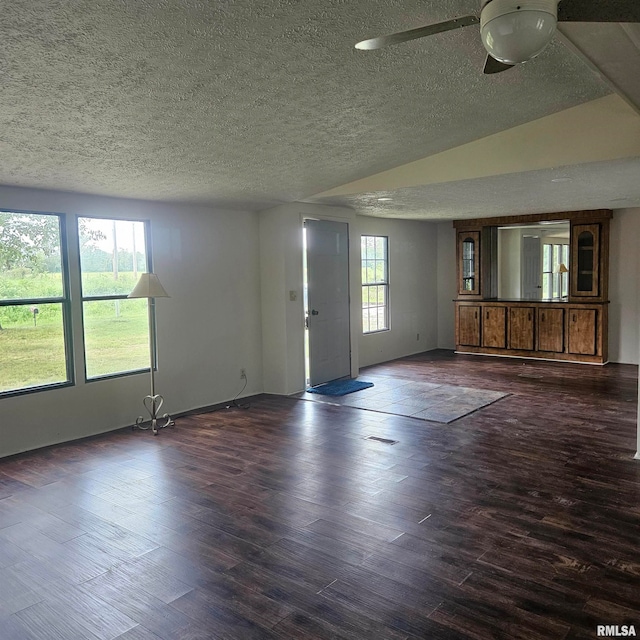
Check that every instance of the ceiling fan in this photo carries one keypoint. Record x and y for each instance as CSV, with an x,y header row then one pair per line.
x,y
514,31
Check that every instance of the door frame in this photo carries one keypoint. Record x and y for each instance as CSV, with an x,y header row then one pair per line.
x,y
524,272
306,298
355,293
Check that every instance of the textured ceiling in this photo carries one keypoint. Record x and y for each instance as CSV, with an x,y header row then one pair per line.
x,y
596,185
251,103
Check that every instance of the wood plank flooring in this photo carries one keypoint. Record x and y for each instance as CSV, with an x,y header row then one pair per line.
x,y
520,520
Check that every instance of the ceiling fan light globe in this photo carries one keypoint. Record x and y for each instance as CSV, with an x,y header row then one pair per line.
x,y
514,32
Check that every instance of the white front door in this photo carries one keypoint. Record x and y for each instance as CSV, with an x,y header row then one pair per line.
x,y
328,300
531,268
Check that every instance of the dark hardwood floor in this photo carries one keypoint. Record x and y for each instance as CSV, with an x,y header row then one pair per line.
x,y
520,520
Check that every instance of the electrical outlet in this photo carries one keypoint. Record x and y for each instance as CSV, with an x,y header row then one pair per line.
x,y
243,374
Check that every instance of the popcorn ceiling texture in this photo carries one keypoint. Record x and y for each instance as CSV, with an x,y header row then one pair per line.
x,y
248,103
594,185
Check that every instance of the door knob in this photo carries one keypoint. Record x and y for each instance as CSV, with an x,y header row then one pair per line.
x,y
314,312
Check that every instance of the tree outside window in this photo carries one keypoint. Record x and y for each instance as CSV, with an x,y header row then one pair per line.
x,y
116,330
34,303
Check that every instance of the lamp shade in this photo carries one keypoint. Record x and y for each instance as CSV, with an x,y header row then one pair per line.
x,y
563,268
515,31
148,287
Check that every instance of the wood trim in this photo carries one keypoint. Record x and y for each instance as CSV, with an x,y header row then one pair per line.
x,y
604,260
532,355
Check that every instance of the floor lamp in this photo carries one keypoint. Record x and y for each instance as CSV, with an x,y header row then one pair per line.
x,y
149,287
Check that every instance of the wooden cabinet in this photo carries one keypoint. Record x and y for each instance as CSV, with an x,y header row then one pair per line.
x,y
494,327
551,330
583,331
569,261
468,251
521,323
469,325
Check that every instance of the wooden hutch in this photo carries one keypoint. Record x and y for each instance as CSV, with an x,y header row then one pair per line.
x,y
571,327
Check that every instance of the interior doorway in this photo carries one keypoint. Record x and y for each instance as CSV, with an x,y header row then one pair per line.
x,y
531,268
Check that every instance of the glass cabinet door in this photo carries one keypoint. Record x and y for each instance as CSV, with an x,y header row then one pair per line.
x,y
468,262
585,243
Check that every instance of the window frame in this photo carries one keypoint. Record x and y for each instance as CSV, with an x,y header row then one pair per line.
x,y
547,282
65,304
564,277
106,297
558,282
382,283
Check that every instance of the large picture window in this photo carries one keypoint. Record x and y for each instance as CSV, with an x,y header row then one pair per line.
x,y
113,253
375,283
34,302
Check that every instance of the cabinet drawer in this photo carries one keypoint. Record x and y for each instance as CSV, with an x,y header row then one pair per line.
x,y
521,324
551,330
469,326
583,337
494,327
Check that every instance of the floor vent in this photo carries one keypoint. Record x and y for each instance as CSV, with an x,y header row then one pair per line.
x,y
383,440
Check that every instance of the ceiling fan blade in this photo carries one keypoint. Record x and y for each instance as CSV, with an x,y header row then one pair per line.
x,y
420,32
491,65
609,11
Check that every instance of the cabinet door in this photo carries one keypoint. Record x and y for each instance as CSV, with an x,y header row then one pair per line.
x,y
585,263
494,327
583,331
551,330
469,326
469,263
521,328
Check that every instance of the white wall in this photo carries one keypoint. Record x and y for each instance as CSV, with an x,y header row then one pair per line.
x,y
624,280
413,289
208,262
447,286
281,272
509,262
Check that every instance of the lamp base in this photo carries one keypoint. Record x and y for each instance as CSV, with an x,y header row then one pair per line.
x,y
152,404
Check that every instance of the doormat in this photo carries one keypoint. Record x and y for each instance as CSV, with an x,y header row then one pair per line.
x,y
340,387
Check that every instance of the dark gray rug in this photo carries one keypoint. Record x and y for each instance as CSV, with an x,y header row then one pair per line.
x,y
424,400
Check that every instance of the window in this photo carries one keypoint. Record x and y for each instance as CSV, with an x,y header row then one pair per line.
x,y
34,302
564,274
116,330
555,280
375,283
547,270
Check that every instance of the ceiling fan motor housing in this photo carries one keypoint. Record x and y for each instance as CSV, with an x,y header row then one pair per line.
x,y
515,31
